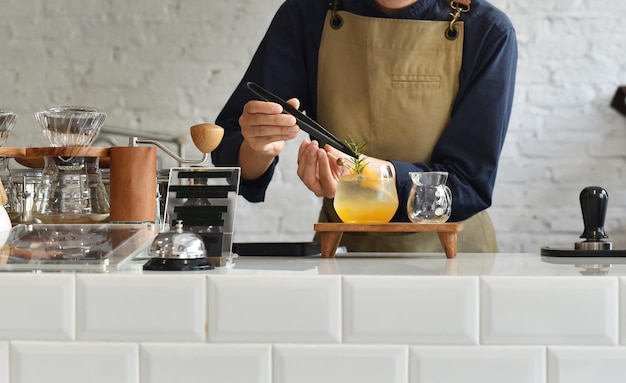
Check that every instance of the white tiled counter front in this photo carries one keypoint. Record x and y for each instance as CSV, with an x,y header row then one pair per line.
x,y
355,318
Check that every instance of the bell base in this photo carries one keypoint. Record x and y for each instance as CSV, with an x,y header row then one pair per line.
x,y
167,264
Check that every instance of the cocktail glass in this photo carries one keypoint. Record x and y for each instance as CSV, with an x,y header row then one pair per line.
x,y
367,198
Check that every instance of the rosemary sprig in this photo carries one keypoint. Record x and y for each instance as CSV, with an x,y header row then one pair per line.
x,y
359,162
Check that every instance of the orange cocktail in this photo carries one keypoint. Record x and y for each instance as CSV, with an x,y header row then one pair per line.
x,y
369,197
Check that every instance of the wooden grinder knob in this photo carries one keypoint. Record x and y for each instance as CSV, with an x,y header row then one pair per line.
x,y
207,136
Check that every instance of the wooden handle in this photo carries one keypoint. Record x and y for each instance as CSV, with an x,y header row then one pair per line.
x,y
4,199
206,137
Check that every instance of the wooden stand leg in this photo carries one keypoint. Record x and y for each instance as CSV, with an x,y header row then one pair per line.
x,y
448,242
329,243
331,233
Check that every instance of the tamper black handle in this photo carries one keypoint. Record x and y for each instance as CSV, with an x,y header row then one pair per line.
x,y
593,203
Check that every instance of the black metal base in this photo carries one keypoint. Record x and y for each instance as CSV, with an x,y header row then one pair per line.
x,y
165,264
555,252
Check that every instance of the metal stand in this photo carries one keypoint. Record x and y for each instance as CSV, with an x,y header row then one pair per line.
x,y
205,199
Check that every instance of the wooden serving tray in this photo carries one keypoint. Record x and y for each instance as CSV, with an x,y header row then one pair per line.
x,y
331,233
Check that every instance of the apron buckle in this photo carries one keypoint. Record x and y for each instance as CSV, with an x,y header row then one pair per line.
x,y
451,32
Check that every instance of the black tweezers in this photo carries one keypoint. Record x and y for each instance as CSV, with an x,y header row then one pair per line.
x,y
305,122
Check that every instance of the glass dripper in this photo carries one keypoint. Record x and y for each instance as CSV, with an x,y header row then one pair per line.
x,y
13,205
7,122
70,125
71,189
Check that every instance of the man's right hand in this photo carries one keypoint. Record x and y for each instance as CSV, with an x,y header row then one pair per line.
x,y
265,128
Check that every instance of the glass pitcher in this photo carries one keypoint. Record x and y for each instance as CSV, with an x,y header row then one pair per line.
x,y
430,200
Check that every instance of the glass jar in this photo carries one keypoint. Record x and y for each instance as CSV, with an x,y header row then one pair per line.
x,y
71,191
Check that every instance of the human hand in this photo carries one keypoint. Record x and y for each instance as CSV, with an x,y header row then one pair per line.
x,y
265,127
319,169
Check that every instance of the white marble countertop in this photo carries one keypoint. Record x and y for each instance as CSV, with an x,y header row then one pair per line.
x,y
467,264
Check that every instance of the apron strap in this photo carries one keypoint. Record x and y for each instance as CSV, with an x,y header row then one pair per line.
x,y
459,7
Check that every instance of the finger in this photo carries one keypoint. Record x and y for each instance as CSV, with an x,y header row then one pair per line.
x,y
265,114
305,152
263,122
262,107
308,169
326,176
294,102
338,161
302,148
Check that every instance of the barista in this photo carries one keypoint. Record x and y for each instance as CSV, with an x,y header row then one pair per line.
x,y
428,84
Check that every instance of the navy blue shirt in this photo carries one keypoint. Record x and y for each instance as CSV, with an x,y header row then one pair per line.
x,y
469,148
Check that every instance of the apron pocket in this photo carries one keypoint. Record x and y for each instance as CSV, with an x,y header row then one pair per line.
x,y
415,81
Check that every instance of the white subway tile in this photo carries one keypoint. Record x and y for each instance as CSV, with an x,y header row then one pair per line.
x,y
65,362
274,309
141,307
549,310
199,363
490,364
586,364
37,306
4,362
622,310
340,363
410,310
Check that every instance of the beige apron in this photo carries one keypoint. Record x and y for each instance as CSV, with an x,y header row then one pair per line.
x,y
392,82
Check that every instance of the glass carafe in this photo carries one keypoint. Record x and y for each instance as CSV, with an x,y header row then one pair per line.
x,y
430,200
71,189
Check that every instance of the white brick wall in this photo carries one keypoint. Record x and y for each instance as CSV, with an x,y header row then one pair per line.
x,y
164,65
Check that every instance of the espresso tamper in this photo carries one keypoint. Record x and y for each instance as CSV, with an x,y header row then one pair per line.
x,y
593,203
